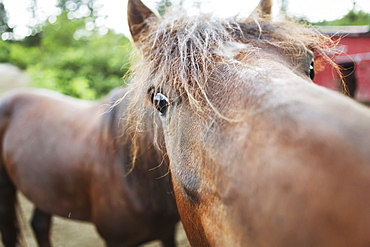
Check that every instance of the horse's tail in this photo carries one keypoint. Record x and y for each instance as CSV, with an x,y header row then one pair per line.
x,y
9,226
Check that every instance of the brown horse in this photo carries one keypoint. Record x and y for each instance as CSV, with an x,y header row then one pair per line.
x,y
72,158
260,155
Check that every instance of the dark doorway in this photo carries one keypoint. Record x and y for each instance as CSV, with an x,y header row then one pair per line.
x,y
349,77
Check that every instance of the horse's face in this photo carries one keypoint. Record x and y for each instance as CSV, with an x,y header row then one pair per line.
x,y
237,102
210,151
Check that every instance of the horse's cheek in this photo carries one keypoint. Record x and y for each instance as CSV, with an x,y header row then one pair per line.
x,y
191,219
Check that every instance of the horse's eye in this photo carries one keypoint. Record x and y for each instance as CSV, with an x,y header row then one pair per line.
x,y
161,103
312,71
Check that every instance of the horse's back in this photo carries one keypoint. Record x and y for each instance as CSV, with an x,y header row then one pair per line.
x,y
35,112
38,102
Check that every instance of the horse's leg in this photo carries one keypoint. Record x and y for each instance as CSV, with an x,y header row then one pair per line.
x,y
41,223
169,240
8,217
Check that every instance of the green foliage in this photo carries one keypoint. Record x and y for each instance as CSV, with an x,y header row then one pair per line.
x,y
353,17
61,33
162,5
20,55
87,65
4,27
4,51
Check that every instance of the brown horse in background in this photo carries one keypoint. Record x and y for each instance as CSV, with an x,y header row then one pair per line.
x,y
72,158
259,155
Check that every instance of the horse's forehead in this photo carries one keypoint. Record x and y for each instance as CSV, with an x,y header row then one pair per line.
x,y
181,61
230,49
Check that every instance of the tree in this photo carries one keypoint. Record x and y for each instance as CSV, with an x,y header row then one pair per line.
x,y
87,67
4,27
68,57
74,8
353,17
163,5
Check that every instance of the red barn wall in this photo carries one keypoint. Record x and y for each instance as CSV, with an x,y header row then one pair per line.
x,y
356,50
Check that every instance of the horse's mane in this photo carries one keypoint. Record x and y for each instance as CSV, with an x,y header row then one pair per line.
x,y
182,54
122,131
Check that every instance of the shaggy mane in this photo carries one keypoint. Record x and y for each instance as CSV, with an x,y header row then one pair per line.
x,y
184,55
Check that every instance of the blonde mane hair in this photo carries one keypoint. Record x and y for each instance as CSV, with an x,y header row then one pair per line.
x,y
181,54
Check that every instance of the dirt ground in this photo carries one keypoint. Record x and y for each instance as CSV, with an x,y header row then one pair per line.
x,y
70,233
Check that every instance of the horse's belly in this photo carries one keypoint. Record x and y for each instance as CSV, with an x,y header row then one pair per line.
x,y
56,191
57,202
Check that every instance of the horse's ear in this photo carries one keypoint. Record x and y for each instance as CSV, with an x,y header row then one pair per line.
x,y
264,8
137,13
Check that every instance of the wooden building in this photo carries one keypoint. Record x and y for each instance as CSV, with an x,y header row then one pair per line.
x,y
354,57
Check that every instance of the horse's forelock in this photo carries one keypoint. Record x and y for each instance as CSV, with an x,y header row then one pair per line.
x,y
183,54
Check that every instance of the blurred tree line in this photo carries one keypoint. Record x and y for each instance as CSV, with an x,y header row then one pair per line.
x,y
69,54
73,54
352,18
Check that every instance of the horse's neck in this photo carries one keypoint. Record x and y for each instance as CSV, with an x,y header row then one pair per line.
x,y
136,165
145,169
135,150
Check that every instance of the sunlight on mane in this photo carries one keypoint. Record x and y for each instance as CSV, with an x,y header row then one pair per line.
x,y
184,54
